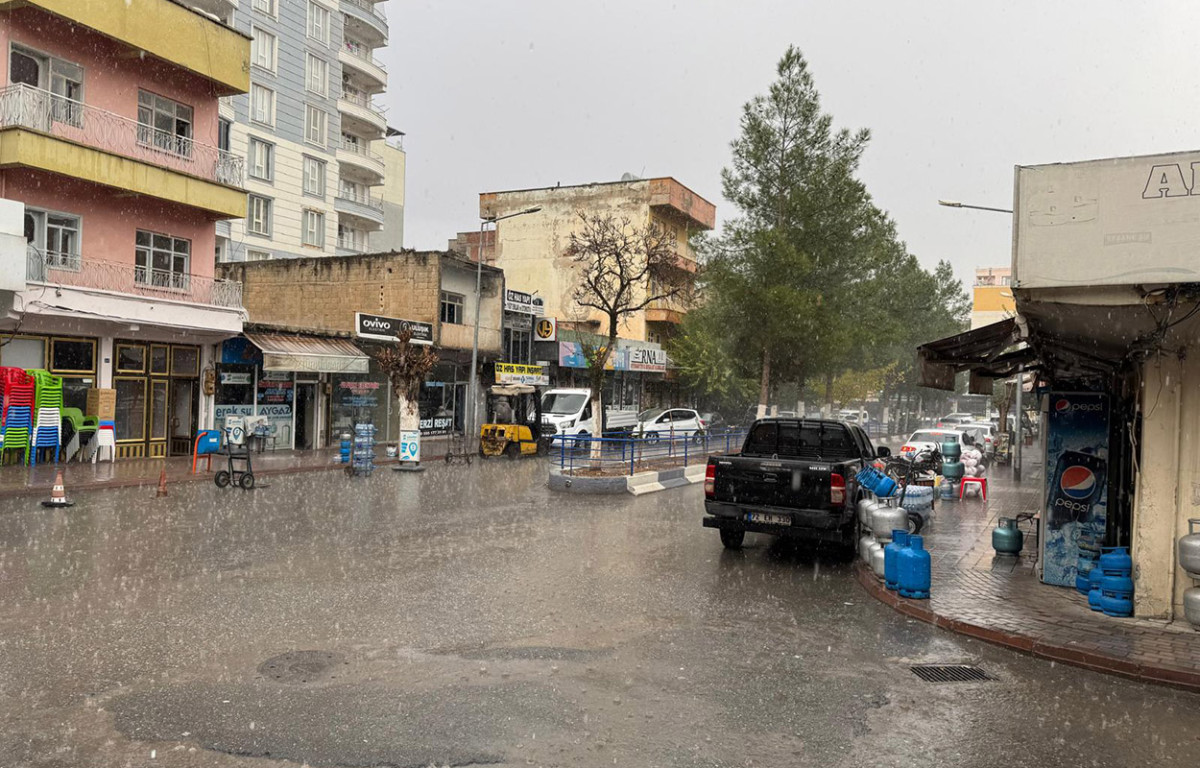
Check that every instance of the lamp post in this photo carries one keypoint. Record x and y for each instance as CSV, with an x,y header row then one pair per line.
x,y
473,391
1020,371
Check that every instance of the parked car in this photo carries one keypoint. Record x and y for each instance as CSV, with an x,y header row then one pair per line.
x,y
793,478
932,439
658,423
951,419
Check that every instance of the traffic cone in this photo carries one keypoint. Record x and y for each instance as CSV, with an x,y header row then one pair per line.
x,y
162,484
58,494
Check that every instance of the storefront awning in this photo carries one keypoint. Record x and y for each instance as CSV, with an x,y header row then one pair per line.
x,y
988,352
284,352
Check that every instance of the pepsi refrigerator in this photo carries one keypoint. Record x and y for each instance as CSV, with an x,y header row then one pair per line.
x,y
1074,519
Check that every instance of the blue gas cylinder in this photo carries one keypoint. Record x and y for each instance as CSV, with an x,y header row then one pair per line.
x,y
914,569
1095,577
1116,603
1115,561
344,449
890,553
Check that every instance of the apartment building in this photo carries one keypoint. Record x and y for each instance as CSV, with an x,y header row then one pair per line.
x,y
992,296
308,128
113,177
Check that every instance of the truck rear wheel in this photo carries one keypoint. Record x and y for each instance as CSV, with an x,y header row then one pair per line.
x,y
732,539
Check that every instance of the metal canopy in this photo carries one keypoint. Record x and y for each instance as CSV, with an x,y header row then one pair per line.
x,y
285,352
988,352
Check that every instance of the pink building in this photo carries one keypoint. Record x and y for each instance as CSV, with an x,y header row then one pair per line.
x,y
116,165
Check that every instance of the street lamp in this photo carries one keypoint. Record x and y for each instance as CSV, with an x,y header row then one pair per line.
x,y
956,204
473,393
1020,371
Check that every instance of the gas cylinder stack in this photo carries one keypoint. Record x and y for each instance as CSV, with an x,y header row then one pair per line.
x,y
895,556
1111,583
1189,560
952,468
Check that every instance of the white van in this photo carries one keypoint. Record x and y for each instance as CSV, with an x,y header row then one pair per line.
x,y
569,412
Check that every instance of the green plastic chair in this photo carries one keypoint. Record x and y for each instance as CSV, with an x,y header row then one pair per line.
x,y
80,425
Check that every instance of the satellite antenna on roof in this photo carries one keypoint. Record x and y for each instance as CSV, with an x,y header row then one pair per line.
x,y
627,176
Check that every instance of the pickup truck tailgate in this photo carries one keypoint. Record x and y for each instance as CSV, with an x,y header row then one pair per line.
x,y
773,483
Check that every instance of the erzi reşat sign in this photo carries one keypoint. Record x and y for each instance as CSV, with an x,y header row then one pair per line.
x,y
389,328
525,303
513,373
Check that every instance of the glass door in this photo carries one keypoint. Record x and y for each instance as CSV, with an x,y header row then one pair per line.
x,y
158,417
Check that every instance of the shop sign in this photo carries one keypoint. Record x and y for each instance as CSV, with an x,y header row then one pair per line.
x,y
546,329
235,378
382,328
525,303
358,394
222,411
275,387
514,373
437,425
646,359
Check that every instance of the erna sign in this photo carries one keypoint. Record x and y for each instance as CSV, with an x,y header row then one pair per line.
x,y
382,328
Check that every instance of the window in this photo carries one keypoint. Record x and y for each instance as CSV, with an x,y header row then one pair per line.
x,y
316,77
255,255
164,124
162,261
314,125
262,160
266,6
314,228
264,49
72,355
314,177
223,130
452,308
262,104
352,190
258,218
63,79
351,239
318,22
55,236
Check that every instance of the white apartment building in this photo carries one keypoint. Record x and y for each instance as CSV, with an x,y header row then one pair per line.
x,y
308,128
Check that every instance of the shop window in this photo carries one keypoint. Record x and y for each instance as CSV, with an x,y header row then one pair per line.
x,y
23,353
131,408
185,361
452,308
131,358
158,359
72,356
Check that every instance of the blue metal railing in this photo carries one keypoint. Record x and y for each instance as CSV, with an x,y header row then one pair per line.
x,y
628,455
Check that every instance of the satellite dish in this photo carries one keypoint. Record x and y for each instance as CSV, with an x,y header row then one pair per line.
x,y
627,176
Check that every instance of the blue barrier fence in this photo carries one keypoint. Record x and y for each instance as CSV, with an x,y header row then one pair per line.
x,y
627,455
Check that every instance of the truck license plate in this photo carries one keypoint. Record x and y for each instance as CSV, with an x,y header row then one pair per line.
x,y
759,517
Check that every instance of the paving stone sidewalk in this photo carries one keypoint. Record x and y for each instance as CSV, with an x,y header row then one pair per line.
x,y
19,480
1000,599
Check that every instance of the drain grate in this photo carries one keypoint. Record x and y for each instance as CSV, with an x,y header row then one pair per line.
x,y
949,673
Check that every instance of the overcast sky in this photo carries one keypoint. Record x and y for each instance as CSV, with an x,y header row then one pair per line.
x,y
529,93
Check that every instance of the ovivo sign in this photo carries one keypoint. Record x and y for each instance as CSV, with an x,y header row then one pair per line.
x,y
383,328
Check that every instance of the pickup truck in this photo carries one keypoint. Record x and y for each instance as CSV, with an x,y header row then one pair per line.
x,y
793,478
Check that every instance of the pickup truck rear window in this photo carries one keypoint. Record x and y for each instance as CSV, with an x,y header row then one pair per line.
x,y
804,439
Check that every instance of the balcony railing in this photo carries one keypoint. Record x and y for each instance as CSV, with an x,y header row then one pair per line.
x,y
361,151
362,198
74,271
39,110
360,51
351,244
369,7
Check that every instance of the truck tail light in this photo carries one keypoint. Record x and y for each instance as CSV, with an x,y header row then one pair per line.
x,y
710,481
837,490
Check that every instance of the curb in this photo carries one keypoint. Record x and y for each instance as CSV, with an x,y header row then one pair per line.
x,y
1187,679
137,482
641,483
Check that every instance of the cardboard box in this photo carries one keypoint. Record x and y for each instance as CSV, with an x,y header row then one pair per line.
x,y
102,403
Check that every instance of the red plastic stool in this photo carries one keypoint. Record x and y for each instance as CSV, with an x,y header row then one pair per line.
x,y
980,481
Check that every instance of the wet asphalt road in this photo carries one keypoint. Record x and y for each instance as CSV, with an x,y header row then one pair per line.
x,y
469,616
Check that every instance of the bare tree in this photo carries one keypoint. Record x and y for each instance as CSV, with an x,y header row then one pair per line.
x,y
622,269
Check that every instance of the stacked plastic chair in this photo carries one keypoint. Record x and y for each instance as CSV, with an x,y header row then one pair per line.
x,y
106,438
16,418
47,430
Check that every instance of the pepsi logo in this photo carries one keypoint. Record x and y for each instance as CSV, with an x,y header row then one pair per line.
x,y
1062,405
1078,482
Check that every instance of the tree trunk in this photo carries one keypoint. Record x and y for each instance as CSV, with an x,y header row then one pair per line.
x,y
829,391
764,392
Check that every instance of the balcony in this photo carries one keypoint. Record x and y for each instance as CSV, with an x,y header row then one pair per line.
x,y
364,16
72,270
670,198
351,245
357,57
360,115
59,135
166,30
356,157
361,205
